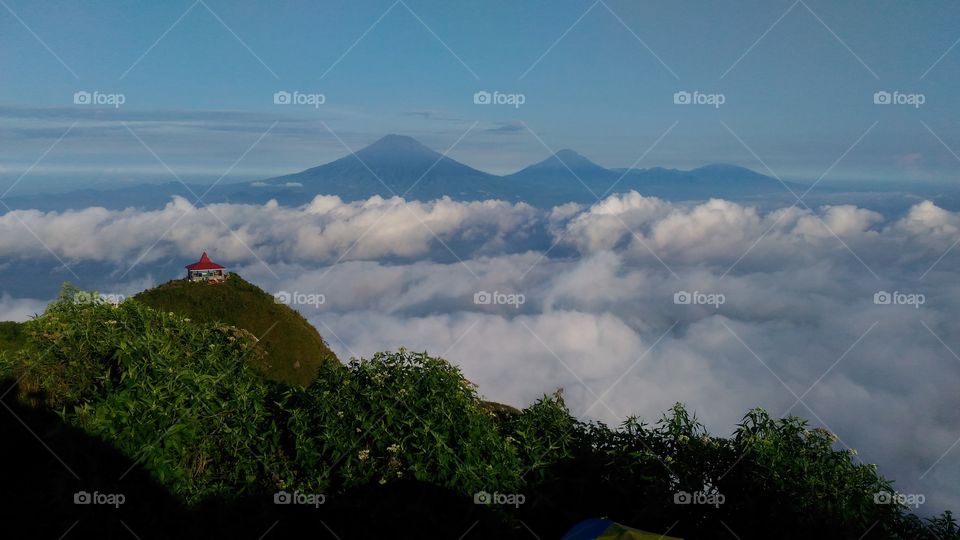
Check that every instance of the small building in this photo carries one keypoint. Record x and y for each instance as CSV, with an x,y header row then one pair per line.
x,y
206,270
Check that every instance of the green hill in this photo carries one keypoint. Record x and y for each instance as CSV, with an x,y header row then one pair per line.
x,y
293,348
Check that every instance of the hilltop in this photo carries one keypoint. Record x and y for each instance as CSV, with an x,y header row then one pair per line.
x,y
293,349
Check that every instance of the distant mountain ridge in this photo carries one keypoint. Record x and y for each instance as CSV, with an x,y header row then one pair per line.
x,y
404,166
399,165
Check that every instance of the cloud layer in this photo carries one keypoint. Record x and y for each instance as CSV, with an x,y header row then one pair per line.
x,y
794,316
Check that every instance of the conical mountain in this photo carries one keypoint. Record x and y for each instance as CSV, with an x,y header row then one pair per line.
x,y
563,177
395,165
565,162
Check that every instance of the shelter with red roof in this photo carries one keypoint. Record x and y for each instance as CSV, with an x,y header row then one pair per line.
x,y
206,270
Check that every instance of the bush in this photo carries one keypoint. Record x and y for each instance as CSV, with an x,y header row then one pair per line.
x,y
11,336
396,416
543,434
806,484
173,394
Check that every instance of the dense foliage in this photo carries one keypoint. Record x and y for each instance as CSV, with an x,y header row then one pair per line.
x,y
396,416
176,395
183,399
12,336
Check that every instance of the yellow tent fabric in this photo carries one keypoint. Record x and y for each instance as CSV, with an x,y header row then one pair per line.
x,y
604,529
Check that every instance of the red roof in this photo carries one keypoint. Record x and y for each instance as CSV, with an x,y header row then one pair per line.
x,y
204,264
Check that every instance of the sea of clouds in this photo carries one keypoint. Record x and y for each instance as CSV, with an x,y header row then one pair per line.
x,y
839,314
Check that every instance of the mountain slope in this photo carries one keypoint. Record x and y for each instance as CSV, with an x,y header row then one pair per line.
x,y
717,180
395,165
568,176
563,177
564,162
294,349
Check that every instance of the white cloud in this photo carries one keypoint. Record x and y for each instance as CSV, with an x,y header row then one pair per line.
x,y
19,309
323,230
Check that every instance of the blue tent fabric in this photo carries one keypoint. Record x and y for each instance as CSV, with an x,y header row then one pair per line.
x,y
588,529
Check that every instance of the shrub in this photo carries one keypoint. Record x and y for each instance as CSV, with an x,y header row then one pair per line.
x,y
543,434
176,395
398,415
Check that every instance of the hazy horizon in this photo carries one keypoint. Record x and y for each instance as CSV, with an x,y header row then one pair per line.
x,y
797,82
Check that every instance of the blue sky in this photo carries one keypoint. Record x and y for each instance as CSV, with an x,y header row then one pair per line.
x,y
797,79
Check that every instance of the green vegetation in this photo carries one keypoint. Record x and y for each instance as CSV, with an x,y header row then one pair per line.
x,y
130,374
293,349
12,336
180,397
396,416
